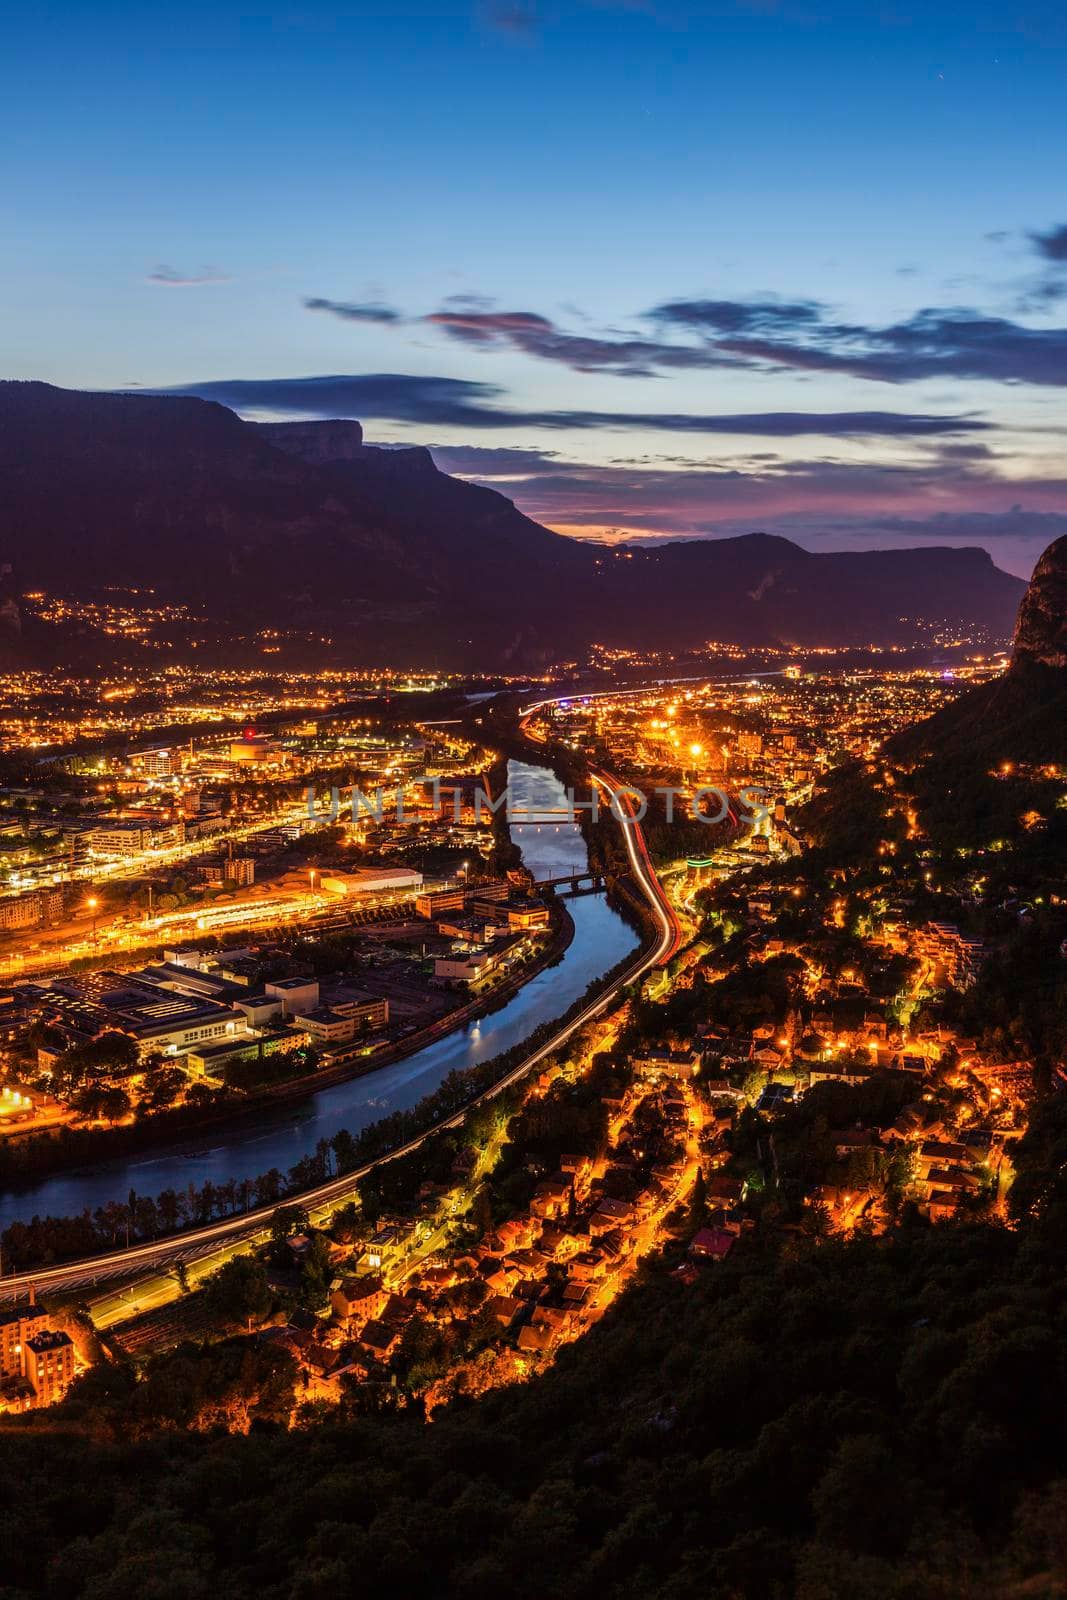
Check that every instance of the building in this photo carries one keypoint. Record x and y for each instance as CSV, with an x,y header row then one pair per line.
x,y
526,914
213,1059
156,763
49,1365
240,870
372,880
36,1361
944,946
470,964
326,1026
297,995
363,1298
18,1324
84,1006
132,838
255,748
31,910
440,901
711,1244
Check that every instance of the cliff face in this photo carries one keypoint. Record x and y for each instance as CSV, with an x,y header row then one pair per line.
x,y
1041,631
316,442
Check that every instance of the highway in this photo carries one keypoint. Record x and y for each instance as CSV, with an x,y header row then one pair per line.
x,y
253,1226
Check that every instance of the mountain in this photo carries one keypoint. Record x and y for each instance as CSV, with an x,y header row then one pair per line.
x,y
1041,631
759,590
1022,716
305,528
984,768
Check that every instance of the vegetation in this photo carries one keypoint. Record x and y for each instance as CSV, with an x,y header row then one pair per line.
x,y
816,1419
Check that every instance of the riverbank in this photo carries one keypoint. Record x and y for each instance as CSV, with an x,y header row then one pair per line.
x,y
28,1159
282,1136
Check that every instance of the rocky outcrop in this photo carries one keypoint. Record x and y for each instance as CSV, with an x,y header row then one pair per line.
x,y
1041,631
316,442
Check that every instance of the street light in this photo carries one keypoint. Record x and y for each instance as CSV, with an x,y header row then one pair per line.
x,y
92,904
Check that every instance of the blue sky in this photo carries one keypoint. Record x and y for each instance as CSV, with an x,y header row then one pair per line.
x,y
650,268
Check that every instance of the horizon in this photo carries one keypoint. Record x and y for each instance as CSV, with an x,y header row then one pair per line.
x,y
651,274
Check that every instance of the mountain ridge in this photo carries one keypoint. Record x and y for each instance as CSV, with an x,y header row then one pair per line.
x,y
283,525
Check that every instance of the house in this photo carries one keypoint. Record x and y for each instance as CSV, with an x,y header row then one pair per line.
x,y
668,1063
711,1244
942,1204
558,1242
505,1309
851,1140
437,1278
379,1340
384,1247
536,1338
551,1317
610,1214
363,1298
587,1265
939,1153
551,1198
515,1234
724,1189
529,1264
837,1072
774,1097
500,1276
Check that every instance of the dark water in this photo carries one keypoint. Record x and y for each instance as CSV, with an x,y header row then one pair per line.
x,y
281,1137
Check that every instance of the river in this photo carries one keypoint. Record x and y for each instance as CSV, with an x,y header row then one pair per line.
x,y
282,1135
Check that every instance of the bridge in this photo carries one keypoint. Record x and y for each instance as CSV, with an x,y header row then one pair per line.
x,y
576,882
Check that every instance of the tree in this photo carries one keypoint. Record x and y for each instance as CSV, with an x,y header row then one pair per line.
x,y
239,1291
315,1272
286,1221
162,1086
102,1103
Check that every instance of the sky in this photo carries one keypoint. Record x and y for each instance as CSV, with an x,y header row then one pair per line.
x,y
651,269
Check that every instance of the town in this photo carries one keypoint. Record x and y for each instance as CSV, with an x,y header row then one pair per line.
x,y
802,1064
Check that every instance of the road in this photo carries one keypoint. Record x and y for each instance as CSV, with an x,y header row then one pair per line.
x,y
251,1226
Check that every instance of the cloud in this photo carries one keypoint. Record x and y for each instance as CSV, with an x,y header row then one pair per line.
x,y
535,335
349,312
977,527
170,278
768,333
763,316
1049,286
782,424
399,397
1053,244
797,335
396,396
947,343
